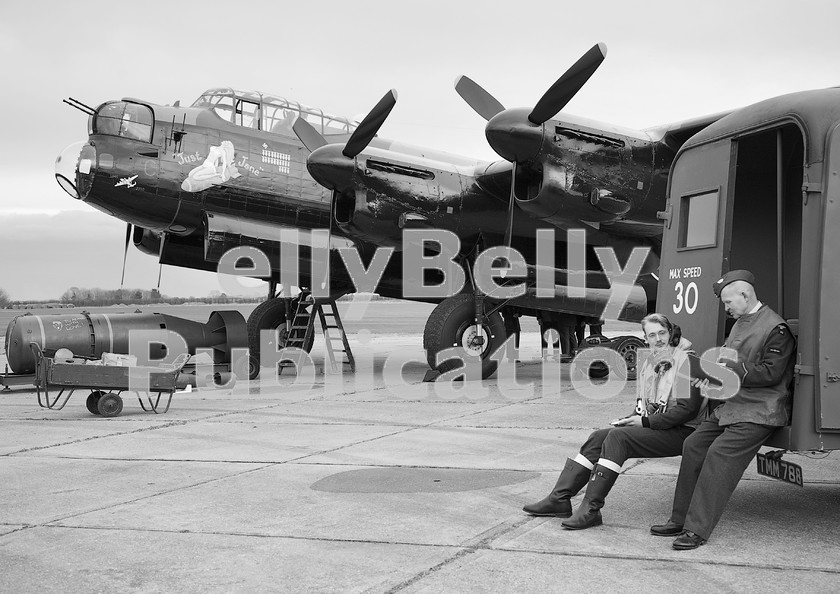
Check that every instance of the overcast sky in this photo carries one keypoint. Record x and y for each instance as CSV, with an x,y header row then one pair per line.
x,y
667,60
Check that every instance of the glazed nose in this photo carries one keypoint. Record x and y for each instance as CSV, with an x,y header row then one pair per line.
x,y
65,168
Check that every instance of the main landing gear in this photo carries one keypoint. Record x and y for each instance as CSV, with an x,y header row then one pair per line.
x,y
453,324
270,315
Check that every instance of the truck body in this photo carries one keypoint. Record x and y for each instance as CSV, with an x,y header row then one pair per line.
x,y
760,190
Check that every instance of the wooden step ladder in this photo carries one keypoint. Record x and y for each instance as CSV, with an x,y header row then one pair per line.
x,y
303,325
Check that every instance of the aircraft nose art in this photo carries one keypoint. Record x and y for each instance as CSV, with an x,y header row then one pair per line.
x,y
66,165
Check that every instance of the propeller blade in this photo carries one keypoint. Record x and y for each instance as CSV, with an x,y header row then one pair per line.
x,y
333,198
308,135
160,255
482,102
125,252
509,230
370,125
562,91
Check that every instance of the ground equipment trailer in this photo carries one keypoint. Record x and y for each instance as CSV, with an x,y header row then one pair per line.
x,y
106,383
760,190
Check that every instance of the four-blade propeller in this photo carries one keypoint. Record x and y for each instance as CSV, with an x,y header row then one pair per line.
x,y
509,133
552,101
331,164
517,135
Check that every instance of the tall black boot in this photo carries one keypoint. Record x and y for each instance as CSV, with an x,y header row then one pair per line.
x,y
572,480
588,513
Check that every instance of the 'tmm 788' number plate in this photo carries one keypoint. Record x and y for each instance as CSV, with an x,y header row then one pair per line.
x,y
779,469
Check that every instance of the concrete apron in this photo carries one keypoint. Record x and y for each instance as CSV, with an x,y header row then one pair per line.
x,y
343,488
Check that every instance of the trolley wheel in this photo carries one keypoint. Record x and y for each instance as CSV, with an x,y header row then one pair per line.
x,y
110,405
93,401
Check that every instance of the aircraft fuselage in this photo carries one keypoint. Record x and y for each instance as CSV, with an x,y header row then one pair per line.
x,y
195,185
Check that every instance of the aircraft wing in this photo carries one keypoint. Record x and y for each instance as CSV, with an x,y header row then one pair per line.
x,y
675,134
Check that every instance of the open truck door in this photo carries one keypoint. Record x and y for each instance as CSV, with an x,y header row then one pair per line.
x,y
692,244
760,190
827,404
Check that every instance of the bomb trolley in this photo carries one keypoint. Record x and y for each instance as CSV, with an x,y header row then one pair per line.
x,y
106,383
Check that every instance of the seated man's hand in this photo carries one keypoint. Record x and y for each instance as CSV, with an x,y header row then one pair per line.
x,y
631,421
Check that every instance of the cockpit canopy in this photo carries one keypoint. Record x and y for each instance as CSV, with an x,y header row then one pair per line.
x,y
124,118
266,112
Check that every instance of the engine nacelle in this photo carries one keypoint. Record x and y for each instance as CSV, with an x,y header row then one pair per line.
x,y
147,241
564,197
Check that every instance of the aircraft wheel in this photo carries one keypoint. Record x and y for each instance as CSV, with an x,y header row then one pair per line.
x,y
92,402
241,368
451,324
269,315
627,347
110,405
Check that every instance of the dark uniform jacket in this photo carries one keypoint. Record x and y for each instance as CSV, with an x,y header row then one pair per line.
x,y
687,411
766,350
686,406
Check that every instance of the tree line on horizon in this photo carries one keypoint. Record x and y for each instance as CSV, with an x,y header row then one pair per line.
x,y
93,297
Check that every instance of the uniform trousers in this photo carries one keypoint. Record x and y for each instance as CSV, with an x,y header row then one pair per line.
x,y
617,444
714,459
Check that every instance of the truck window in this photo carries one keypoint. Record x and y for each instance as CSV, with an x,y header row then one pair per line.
x,y
698,220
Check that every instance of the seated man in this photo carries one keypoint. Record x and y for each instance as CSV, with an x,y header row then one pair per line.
x,y
717,453
284,126
667,411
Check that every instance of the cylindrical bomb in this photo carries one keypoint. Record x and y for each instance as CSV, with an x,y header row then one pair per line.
x,y
90,335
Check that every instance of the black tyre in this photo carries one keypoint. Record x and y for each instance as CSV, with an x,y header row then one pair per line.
x,y
627,347
598,370
241,368
452,324
555,343
110,405
92,401
269,315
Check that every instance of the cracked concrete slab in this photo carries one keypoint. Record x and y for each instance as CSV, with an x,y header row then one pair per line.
x,y
49,559
279,501
226,493
237,442
46,490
